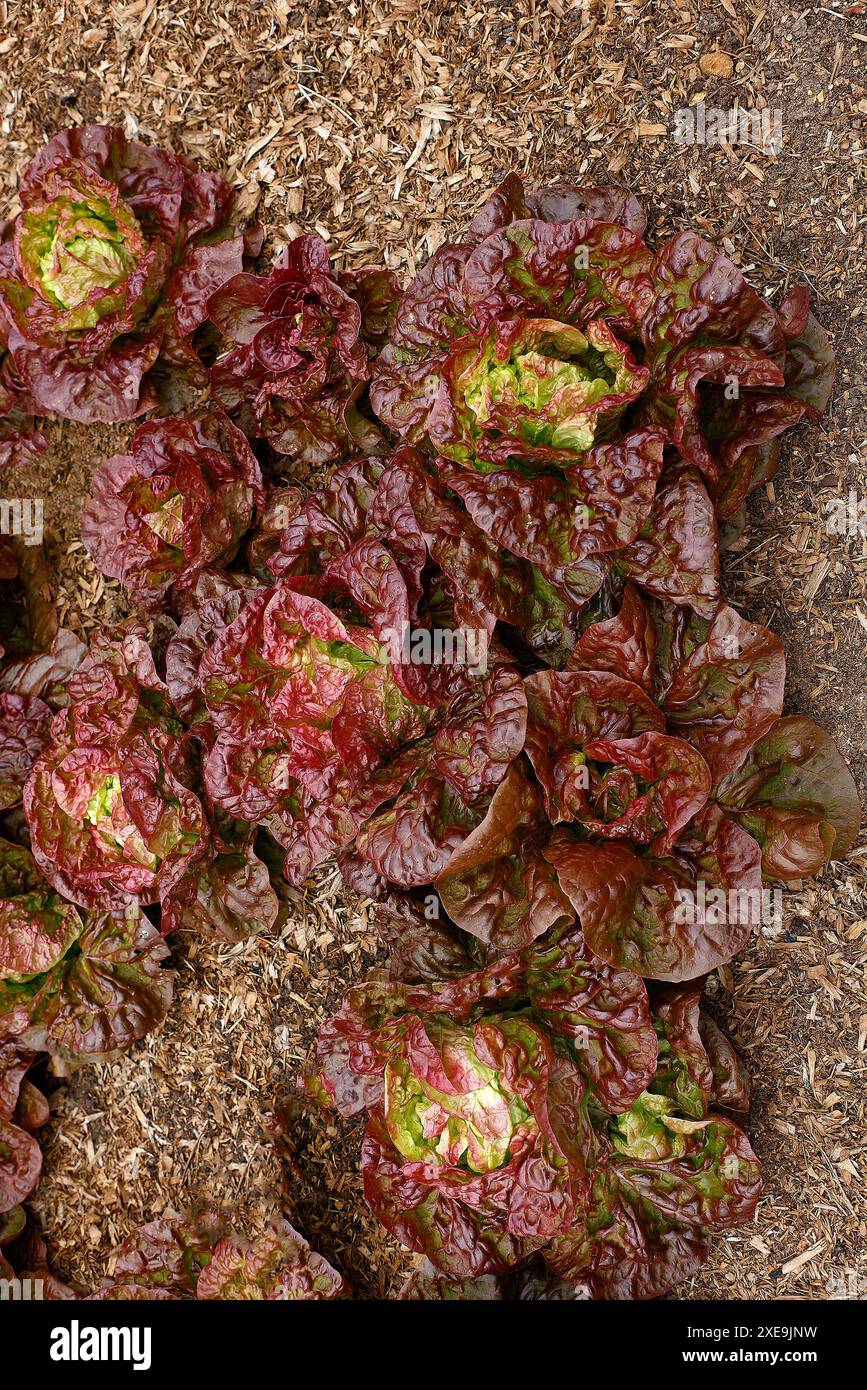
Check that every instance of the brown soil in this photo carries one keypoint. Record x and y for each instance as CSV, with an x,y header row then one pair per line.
x,y
382,125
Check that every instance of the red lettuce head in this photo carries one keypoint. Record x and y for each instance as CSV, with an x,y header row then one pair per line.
x,y
473,1152
523,321
179,502
78,988
197,1255
20,440
110,805
529,1107
305,715
670,1185
488,365
116,815
115,252
302,341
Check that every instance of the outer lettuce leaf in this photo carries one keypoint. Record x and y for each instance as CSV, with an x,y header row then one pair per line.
x,y
683,1072
810,361
625,1251
647,913
322,526
730,374
497,884
37,928
106,993
569,712
700,298
740,442
20,440
571,270
561,202
20,1164
649,1219
229,894
599,504
282,506
411,841
731,1084
209,606
372,580
728,692
796,795
677,631
698,1067
458,1232
43,674
310,830
480,733
483,731
603,1012
18,871
11,1226
481,582
675,556
20,1155
624,645
24,721
564,202
423,945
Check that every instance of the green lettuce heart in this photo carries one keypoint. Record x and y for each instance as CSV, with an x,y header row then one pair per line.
x,y
471,1128
94,259
77,251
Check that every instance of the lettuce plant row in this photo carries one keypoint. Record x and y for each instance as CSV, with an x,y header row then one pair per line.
x,y
484,660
